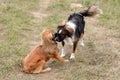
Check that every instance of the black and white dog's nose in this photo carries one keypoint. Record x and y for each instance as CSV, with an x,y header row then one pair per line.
x,y
56,39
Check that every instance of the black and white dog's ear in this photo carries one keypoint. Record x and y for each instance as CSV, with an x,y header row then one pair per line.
x,y
62,24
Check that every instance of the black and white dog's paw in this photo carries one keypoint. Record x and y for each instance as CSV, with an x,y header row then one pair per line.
x,y
82,44
72,57
62,53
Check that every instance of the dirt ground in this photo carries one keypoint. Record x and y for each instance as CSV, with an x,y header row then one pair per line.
x,y
99,59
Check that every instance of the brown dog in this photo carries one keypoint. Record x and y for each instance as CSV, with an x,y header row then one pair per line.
x,y
34,62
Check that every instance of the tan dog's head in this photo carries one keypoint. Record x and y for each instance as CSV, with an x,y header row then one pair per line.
x,y
47,36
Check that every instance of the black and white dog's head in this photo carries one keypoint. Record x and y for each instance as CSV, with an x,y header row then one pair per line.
x,y
62,33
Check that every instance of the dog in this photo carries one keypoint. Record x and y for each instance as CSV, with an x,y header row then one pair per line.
x,y
73,29
34,62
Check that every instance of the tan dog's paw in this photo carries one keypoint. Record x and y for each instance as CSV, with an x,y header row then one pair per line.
x,y
66,60
48,69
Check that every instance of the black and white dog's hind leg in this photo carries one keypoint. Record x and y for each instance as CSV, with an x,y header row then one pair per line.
x,y
81,40
67,41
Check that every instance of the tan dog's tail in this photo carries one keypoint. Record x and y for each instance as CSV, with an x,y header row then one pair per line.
x,y
91,11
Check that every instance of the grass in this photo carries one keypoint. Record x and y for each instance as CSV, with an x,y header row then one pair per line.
x,y
111,14
19,32
15,20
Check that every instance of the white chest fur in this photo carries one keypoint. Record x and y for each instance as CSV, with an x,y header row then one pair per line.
x,y
68,41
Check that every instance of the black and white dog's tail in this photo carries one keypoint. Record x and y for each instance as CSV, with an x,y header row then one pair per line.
x,y
91,11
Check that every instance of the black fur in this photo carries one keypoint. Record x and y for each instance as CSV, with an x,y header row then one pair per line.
x,y
78,19
60,37
65,29
85,13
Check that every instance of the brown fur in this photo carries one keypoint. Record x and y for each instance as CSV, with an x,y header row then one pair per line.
x,y
34,62
92,11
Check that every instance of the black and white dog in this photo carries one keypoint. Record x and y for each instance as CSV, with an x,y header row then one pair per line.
x,y
73,29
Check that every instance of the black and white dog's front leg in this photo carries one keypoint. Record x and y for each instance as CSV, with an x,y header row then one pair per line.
x,y
81,40
74,49
63,51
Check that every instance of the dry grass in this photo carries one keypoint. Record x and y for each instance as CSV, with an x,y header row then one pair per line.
x,y
21,22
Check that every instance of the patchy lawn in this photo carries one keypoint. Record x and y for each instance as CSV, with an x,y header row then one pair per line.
x,y
21,22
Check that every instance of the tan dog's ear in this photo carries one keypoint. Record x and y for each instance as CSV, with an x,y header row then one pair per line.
x,y
43,35
50,38
47,36
62,24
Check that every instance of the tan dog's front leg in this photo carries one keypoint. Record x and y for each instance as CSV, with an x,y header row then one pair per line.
x,y
46,70
58,57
